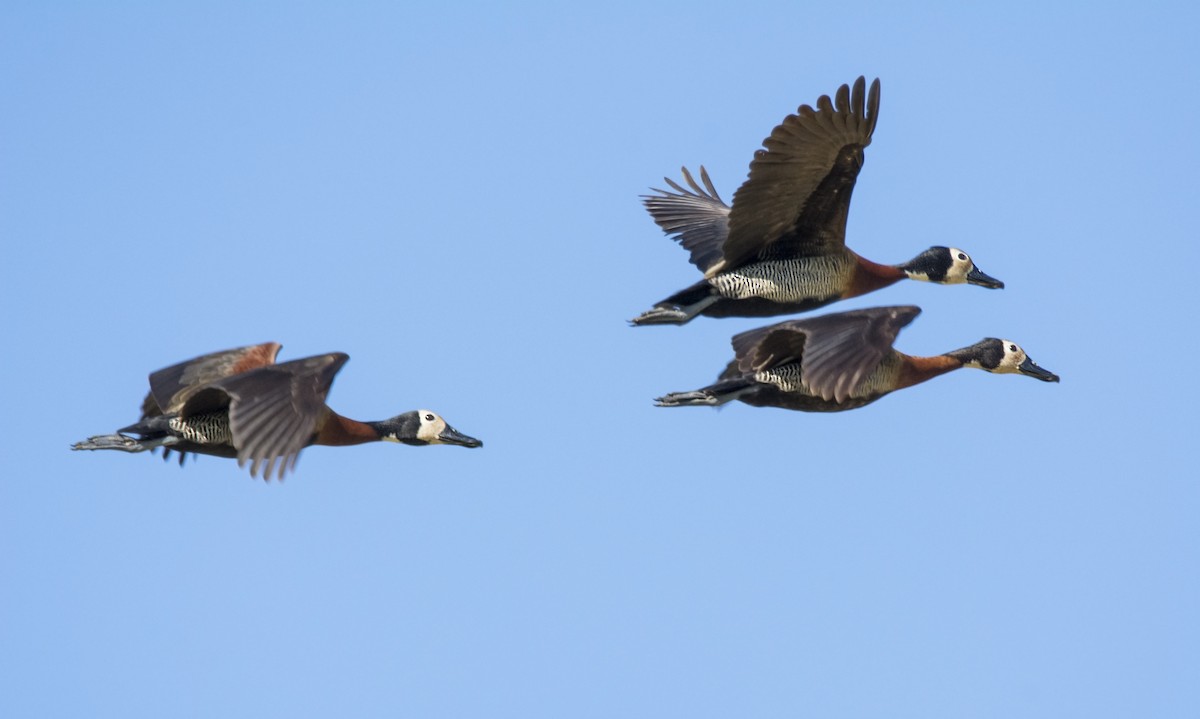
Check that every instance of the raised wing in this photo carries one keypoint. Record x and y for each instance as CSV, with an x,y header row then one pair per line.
x,y
171,387
697,218
273,411
797,196
836,351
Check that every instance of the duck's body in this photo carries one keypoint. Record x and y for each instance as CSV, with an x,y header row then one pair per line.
x,y
776,287
781,247
840,361
239,403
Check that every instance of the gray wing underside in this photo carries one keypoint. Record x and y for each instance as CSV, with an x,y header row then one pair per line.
x,y
836,351
694,216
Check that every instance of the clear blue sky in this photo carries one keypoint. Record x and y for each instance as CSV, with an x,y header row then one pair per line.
x,y
449,193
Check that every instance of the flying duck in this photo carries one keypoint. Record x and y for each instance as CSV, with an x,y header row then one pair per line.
x,y
239,403
781,247
841,361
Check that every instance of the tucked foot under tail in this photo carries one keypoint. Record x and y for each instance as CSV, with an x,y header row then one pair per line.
x,y
688,399
713,395
661,316
680,307
113,441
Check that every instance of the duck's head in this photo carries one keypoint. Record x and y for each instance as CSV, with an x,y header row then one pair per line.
x,y
421,427
948,266
1002,357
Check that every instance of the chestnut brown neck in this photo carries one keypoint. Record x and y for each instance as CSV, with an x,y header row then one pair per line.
x,y
870,276
915,370
339,431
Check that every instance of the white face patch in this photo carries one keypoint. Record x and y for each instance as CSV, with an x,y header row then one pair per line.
x,y
1013,357
431,426
960,266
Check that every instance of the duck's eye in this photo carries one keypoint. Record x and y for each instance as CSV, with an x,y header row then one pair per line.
x,y
428,417
1012,348
962,256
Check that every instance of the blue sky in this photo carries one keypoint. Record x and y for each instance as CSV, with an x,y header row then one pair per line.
x,y
450,195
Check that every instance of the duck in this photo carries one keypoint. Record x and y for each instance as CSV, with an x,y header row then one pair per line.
x,y
240,403
841,361
781,247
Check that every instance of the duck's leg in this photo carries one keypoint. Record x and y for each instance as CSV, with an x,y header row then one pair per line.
x,y
111,441
684,399
713,395
680,307
124,443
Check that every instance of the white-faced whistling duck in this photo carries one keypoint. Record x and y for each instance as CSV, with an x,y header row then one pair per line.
x,y
781,247
841,361
239,403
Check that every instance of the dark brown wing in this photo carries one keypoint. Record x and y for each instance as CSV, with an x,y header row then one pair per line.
x,y
172,386
795,201
836,351
273,410
697,218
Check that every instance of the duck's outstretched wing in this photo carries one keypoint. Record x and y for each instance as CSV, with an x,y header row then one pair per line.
x,y
171,386
694,216
836,352
796,198
274,411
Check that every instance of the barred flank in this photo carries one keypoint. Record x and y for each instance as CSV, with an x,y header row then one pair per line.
x,y
785,281
204,428
879,381
786,378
